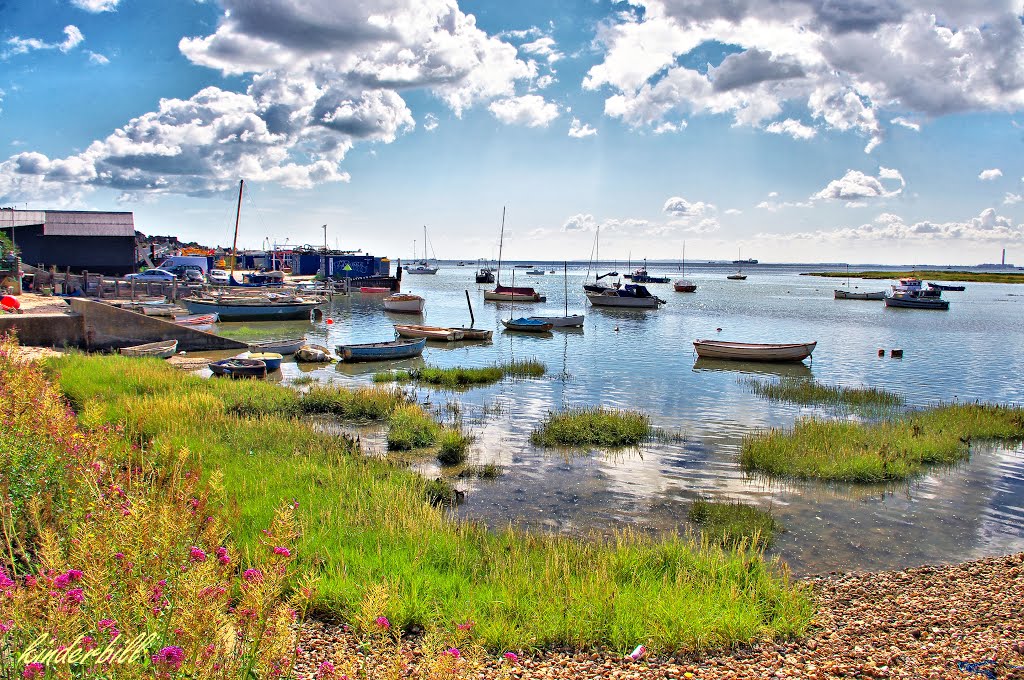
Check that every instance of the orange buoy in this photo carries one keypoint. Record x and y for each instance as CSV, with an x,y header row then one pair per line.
x,y
10,302
330,321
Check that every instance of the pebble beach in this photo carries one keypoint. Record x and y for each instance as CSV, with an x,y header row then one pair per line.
x,y
956,621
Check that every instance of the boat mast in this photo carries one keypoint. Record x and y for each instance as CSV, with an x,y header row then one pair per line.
x,y
234,243
425,255
565,265
501,242
597,251
682,263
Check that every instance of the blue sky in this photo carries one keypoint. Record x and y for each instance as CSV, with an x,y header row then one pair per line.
x,y
883,131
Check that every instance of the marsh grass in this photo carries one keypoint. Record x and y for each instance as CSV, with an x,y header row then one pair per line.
x,y
932,274
890,449
363,403
303,379
731,523
460,378
593,426
810,391
452,445
485,471
410,427
367,522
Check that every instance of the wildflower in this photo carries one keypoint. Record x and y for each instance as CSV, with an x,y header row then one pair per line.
x,y
76,596
454,653
33,670
252,575
6,583
468,625
325,671
74,575
170,657
511,656
222,556
88,643
105,624
383,622
30,581
196,554
4,627
119,556
281,550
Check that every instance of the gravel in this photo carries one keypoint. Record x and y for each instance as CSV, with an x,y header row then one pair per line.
x,y
914,623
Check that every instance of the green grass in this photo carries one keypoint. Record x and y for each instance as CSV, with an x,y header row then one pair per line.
x,y
734,524
593,426
367,522
452,445
303,379
890,449
458,377
364,403
929,274
810,391
410,427
485,471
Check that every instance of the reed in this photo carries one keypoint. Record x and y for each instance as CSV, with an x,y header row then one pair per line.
x,y
810,391
934,274
367,522
365,403
452,445
593,426
732,523
458,377
523,368
392,376
889,449
410,427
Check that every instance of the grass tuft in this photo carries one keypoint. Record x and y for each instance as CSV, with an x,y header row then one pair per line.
x,y
410,427
592,426
810,391
453,444
458,377
890,449
363,403
735,524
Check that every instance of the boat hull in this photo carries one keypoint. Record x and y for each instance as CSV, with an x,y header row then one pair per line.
x,y
476,334
405,304
917,302
382,351
160,350
239,368
272,360
278,311
601,300
848,295
435,333
495,296
745,351
737,277
196,320
684,286
526,325
290,346
574,321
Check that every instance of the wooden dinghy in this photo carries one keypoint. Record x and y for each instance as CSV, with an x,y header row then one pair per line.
x,y
850,295
196,319
382,351
160,350
271,359
239,368
476,334
404,303
747,351
286,346
436,333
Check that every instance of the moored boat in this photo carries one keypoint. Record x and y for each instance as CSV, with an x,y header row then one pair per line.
x,y
684,286
747,351
630,295
476,334
437,333
374,290
944,286
272,360
915,300
570,321
526,325
404,303
286,346
161,350
535,272
513,294
737,277
382,351
850,295
260,309
313,353
196,319
239,368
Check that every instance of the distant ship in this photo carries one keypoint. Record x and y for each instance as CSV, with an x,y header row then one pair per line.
x,y
744,261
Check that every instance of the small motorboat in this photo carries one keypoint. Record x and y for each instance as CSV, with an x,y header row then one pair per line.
x,y
747,351
271,359
684,286
570,321
436,333
737,277
485,275
850,295
944,286
160,350
916,300
513,294
196,319
286,346
405,303
382,351
317,354
527,325
641,276
239,368
630,295
267,308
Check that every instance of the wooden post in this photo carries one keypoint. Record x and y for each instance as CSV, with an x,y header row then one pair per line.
x,y
133,289
85,282
174,290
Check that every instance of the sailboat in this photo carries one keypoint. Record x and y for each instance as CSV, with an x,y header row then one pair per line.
x,y
527,325
567,321
423,266
597,286
510,293
684,285
739,275
847,294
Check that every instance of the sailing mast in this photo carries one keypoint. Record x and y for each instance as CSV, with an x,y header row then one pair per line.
x,y
565,271
501,242
234,243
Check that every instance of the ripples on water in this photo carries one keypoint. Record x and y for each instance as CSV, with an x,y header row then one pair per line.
x,y
645,360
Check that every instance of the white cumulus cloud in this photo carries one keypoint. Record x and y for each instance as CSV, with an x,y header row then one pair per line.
x,y
990,174
530,110
580,130
96,6
857,186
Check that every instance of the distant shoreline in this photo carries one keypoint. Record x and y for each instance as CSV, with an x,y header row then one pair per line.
x,y
935,274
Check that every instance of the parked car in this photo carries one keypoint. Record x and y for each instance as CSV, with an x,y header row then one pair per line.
x,y
187,272
219,276
152,275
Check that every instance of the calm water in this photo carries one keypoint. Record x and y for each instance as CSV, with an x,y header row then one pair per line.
x,y
645,360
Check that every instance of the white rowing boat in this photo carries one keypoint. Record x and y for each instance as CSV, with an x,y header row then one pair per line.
x,y
160,350
748,351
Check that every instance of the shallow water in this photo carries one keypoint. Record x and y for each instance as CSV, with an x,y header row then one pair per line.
x,y
644,360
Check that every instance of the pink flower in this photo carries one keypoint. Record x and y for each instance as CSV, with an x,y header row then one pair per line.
x,y
281,550
4,627
76,596
453,652
6,583
383,622
325,671
119,556
222,555
88,643
33,670
252,575
465,626
106,623
30,581
170,657
196,554
74,575
511,656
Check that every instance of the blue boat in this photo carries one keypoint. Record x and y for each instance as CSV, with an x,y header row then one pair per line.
x,y
245,310
271,359
382,351
527,325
